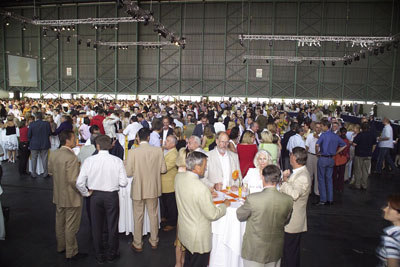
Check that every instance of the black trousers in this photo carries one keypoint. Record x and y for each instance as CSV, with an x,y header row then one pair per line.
x,y
169,207
104,207
130,144
291,250
196,259
24,153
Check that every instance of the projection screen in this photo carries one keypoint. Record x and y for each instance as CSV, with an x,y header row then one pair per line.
x,y
22,71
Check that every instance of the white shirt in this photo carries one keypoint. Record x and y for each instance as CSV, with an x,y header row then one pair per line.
x,y
295,141
310,143
226,169
165,132
101,172
132,129
108,124
57,119
178,123
254,181
387,132
219,127
154,139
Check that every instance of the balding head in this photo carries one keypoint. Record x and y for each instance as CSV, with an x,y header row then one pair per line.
x,y
222,142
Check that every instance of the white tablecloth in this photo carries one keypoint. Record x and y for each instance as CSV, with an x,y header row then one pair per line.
x,y
227,237
39,167
125,223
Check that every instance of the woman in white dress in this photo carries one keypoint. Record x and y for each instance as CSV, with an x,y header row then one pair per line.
x,y
253,177
11,140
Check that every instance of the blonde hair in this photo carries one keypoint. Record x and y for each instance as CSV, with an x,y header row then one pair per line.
x,y
266,137
271,127
178,133
231,124
247,137
267,155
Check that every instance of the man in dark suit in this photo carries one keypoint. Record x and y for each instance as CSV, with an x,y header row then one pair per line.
x,y
294,126
39,143
199,129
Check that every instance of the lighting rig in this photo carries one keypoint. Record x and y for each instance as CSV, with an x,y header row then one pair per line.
x,y
125,45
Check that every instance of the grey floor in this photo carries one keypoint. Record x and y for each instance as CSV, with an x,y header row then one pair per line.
x,y
345,234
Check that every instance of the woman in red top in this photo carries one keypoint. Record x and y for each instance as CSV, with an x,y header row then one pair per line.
x,y
246,151
340,163
24,151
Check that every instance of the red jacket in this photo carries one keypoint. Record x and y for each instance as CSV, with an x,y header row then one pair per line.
x,y
98,120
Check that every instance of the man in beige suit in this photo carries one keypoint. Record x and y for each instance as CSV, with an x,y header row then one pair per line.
x,y
266,213
221,164
167,183
298,186
145,164
64,167
194,144
196,211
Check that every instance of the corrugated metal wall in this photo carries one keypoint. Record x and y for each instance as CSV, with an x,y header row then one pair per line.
x,y
212,62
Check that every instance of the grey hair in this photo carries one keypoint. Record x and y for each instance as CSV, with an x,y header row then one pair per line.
x,y
271,174
267,155
173,138
197,139
194,158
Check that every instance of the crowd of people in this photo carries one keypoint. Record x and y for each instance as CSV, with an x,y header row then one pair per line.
x,y
180,154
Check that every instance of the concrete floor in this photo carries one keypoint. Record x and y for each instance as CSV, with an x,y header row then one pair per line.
x,y
345,234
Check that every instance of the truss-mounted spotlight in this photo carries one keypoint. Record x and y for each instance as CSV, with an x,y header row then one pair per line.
x,y
44,32
73,28
95,46
333,63
376,51
68,39
345,62
310,62
58,36
55,29
7,22
63,28
267,61
24,26
271,43
88,42
396,44
116,27
388,47
244,61
241,40
79,42
363,55
382,49
323,62
68,28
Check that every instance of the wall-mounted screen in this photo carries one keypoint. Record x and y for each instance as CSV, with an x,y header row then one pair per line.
x,y
22,71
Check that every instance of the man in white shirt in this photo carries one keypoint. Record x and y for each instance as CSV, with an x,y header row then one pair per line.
x,y
296,140
219,126
155,134
166,129
385,146
131,130
312,159
109,127
100,177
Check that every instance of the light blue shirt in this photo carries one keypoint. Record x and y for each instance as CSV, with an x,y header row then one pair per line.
x,y
295,141
154,139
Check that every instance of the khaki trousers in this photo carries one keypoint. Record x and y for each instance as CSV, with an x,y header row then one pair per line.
x,y
67,226
311,165
362,166
247,263
138,213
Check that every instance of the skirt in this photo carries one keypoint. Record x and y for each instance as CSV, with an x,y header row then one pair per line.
x,y
11,142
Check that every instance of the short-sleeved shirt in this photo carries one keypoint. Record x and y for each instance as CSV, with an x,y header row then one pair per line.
x,y
387,132
390,245
329,142
365,141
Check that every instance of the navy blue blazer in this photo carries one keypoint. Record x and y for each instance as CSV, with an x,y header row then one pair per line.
x,y
38,135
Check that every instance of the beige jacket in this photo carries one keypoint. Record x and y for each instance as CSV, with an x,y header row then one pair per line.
x,y
196,211
298,187
145,164
168,179
214,173
266,213
64,167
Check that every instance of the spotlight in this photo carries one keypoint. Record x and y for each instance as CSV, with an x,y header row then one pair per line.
x,y
345,62
244,61
357,58
116,27
63,28
24,26
68,28
68,39
104,27
363,55
382,49
376,51
79,42
271,43
350,60
73,28
58,36
95,46
95,27
55,29
310,62
241,40
7,22
323,62
388,47
44,32
110,47
267,61
333,63
396,44
183,46
88,43
337,45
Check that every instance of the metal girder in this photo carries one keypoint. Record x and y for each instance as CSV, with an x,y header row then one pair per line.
x,y
310,38
294,59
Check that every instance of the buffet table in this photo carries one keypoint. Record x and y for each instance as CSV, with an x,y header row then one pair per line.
x,y
126,223
227,235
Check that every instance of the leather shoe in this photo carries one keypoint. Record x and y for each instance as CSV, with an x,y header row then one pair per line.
x,y
136,249
320,203
78,256
329,203
168,228
154,247
112,259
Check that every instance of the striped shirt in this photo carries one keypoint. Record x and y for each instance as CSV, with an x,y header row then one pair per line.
x,y
390,245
